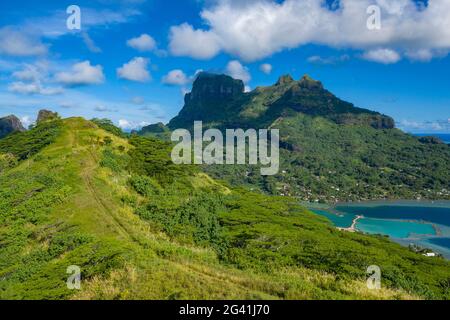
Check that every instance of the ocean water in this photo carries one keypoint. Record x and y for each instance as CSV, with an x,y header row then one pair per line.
x,y
426,224
414,210
395,228
339,220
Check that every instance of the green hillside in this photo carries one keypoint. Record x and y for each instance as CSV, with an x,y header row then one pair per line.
x,y
140,227
330,150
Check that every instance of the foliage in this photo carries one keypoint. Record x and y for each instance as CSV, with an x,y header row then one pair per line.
x,y
190,237
269,233
151,156
113,160
145,185
193,220
26,144
7,161
331,150
324,161
109,126
265,234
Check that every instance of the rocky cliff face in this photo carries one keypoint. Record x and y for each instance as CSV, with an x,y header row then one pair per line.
x,y
210,87
45,115
220,100
213,99
9,125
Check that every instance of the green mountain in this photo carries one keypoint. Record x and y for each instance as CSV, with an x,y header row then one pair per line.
x,y
220,100
331,150
80,193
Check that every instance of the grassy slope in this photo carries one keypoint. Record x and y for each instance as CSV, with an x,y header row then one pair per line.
x,y
60,208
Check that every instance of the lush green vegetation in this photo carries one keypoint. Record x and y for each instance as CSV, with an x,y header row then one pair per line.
x,y
151,156
323,161
36,248
77,192
109,126
331,150
256,232
25,144
142,228
270,233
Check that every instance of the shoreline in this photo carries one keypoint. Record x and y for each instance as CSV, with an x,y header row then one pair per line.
x,y
397,203
352,228
440,203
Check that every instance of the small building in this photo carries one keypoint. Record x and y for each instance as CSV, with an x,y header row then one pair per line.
x,y
430,254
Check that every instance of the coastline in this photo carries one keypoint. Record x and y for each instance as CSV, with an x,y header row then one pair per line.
x,y
349,222
441,203
352,228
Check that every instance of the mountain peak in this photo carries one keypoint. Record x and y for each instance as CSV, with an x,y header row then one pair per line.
x,y
285,79
10,124
220,99
307,82
209,86
210,96
45,115
306,77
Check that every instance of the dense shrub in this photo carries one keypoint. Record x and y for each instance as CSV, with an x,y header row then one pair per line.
x,y
7,160
152,157
145,186
26,144
114,161
195,219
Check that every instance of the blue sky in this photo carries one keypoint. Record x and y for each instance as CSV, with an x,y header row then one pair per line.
x,y
133,60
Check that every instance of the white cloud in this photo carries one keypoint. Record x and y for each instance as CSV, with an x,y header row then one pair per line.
x,y
8,65
90,44
33,88
318,60
198,44
53,26
236,70
420,55
386,56
23,88
256,29
266,68
32,79
176,77
131,125
135,70
425,126
26,121
142,43
138,100
395,7
124,124
82,73
28,73
16,43
103,108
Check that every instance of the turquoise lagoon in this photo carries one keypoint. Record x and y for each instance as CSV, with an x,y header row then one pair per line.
x,y
426,224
